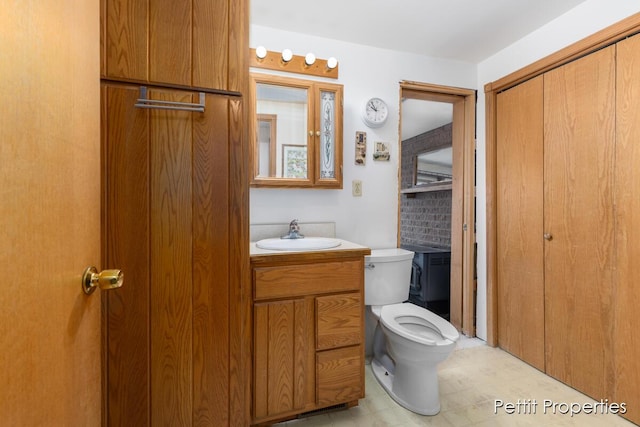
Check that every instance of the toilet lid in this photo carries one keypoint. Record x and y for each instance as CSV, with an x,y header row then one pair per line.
x,y
393,316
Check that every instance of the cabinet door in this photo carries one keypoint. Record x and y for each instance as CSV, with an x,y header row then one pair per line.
x,y
519,222
578,213
284,375
190,43
627,196
328,135
166,223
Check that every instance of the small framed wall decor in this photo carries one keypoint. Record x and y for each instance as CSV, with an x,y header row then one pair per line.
x,y
361,148
382,152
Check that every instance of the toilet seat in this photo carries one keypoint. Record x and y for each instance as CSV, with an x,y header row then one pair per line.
x,y
418,324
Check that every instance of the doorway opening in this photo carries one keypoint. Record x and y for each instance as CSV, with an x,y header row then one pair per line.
x,y
436,206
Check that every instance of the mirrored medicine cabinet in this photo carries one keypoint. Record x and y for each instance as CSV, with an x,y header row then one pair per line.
x,y
296,129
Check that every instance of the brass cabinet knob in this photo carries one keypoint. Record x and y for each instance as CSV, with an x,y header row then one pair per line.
x,y
547,236
105,280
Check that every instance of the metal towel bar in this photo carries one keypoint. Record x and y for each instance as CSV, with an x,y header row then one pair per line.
x,y
145,102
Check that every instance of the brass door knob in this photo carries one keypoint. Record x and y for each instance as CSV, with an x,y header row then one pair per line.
x,y
105,280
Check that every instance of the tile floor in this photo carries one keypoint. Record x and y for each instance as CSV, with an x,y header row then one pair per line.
x,y
471,380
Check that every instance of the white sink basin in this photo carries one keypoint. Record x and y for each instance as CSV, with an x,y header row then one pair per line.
x,y
305,244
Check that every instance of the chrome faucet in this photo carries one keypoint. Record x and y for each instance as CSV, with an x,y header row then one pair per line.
x,y
294,231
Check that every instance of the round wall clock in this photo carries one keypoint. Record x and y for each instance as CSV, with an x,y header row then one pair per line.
x,y
375,112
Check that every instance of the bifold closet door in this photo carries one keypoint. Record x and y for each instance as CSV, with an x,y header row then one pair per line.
x,y
519,221
627,196
579,143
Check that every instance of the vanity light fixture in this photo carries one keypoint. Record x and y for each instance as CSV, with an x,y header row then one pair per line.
x,y
309,59
285,60
261,52
287,55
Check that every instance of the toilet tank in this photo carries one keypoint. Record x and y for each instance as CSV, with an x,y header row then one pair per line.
x,y
387,276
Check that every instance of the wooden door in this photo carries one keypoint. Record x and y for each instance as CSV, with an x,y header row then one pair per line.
x,y
519,225
189,43
627,197
49,213
166,192
579,139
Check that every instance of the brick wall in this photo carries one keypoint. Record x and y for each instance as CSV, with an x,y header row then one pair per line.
x,y
426,218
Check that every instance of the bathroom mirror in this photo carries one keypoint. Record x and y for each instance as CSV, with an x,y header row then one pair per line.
x,y
281,114
427,146
433,166
297,128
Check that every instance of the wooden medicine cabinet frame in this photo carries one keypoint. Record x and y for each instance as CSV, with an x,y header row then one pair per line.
x,y
312,137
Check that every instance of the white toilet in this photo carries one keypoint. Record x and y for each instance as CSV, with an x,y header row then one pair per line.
x,y
409,341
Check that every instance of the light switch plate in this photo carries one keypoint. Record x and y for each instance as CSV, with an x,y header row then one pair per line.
x,y
356,188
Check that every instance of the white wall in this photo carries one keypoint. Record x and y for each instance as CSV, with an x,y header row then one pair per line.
x,y
365,72
580,22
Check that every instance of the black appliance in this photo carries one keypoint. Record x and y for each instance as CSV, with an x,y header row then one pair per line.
x,y
431,278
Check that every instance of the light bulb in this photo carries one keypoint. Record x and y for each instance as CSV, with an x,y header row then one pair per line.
x,y
261,52
332,63
309,59
287,55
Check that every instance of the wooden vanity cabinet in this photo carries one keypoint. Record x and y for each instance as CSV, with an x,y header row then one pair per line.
x,y
195,43
308,333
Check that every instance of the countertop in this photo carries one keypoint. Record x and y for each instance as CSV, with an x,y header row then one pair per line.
x,y
346,249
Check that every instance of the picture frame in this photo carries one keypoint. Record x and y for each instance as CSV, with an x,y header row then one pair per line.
x,y
294,161
361,148
382,152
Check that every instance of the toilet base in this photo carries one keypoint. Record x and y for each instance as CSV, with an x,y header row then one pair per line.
x,y
428,399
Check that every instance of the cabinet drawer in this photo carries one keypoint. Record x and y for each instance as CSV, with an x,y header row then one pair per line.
x,y
338,320
306,279
340,375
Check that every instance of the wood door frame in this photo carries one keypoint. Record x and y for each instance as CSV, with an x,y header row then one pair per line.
x,y
463,237
590,44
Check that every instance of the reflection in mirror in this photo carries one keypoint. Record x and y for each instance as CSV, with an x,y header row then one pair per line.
x,y
433,166
267,141
282,131
427,155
